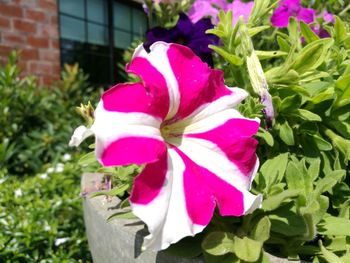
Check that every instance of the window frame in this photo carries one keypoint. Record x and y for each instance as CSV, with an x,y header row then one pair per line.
x,y
110,29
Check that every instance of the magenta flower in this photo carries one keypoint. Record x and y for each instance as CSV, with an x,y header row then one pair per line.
x,y
288,8
201,9
205,8
181,122
240,8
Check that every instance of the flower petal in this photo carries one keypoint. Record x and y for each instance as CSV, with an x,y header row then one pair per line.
x,y
307,15
176,197
280,18
200,9
79,135
234,138
135,98
206,85
126,138
155,70
163,206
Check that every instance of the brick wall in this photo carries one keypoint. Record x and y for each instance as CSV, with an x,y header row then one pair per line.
x,y
31,26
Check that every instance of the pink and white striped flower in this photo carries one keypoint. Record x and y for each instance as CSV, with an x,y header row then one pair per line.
x,y
181,122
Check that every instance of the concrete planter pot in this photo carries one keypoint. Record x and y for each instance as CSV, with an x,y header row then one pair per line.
x,y
120,240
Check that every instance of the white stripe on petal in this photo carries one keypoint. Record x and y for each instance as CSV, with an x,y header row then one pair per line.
x,y
251,202
159,59
209,156
110,126
166,216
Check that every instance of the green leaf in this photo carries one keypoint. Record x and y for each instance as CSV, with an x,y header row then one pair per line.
x,y
188,247
273,202
87,159
287,222
269,54
233,59
273,169
337,244
261,231
323,202
334,226
312,55
306,115
326,184
290,103
247,249
283,44
286,133
329,256
121,215
307,32
293,30
340,32
298,178
314,168
266,136
256,30
340,143
113,192
218,243
321,143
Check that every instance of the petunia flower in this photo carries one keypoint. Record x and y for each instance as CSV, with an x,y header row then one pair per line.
x,y
181,123
288,8
188,34
240,8
205,8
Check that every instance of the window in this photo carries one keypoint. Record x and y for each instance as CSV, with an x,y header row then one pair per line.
x,y
94,33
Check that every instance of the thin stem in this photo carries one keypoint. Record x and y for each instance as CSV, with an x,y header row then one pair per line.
x,y
344,10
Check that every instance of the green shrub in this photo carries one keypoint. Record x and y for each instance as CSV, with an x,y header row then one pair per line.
x,y
41,218
36,123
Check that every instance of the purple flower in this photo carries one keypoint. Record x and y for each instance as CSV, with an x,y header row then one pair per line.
x,y
240,8
318,29
188,34
205,8
288,8
201,9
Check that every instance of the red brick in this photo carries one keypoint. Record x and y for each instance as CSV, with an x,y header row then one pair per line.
x,y
34,15
54,20
49,55
38,42
23,66
29,54
54,43
56,69
48,80
48,5
40,68
13,38
11,10
48,30
5,22
5,50
24,26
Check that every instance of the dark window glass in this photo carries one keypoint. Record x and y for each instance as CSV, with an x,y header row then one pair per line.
x,y
94,33
73,7
72,28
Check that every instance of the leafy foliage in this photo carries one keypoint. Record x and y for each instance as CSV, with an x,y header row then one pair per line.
x,y
304,175
36,122
41,217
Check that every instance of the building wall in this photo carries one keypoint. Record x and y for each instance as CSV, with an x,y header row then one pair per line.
x,y
31,26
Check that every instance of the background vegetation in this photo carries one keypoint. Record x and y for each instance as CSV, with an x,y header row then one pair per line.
x,y
40,206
